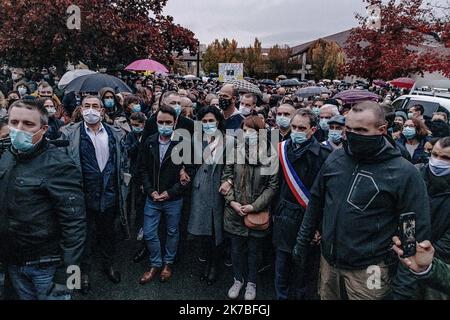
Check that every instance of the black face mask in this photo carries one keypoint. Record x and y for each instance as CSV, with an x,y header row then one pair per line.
x,y
363,147
224,104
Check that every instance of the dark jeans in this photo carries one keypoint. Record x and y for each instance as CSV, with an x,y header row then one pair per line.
x,y
285,284
101,227
289,284
33,283
137,197
246,253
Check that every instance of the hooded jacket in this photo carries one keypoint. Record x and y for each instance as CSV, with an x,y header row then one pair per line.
x,y
357,206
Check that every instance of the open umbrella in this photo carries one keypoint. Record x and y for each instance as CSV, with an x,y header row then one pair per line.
x,y
191,77
147,65
406,83
290,83
354,96
72,75
95,82
311,91
268,82
245,86
380,83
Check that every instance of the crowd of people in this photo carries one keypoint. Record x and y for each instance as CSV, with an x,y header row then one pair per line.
x,y
80,171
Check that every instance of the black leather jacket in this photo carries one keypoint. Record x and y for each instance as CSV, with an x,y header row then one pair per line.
x,y
42,209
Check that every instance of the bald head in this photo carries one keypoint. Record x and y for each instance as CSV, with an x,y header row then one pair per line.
x,y
228,91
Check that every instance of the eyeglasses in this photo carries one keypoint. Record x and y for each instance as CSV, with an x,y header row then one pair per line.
x,y
91,106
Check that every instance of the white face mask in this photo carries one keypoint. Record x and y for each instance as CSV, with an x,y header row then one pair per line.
x,y
51,111
244,110
22,91
91,116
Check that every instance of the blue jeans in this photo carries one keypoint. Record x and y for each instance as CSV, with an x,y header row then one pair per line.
x,y
33,283
152,216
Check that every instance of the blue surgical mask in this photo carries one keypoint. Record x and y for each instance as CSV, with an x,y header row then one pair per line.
x,y
209,128
138,129
21,140
335,135
410,115
324,124
409,133
283,122
136,108
316,111
299,137
109,103
164,130
251,138
178,109
439,168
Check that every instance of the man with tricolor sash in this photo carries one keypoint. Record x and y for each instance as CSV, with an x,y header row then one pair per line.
x,y
301,158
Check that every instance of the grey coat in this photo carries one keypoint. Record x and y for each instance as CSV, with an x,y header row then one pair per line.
x,y
72,133
207,204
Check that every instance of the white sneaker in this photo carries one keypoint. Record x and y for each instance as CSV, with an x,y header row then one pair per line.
x,y
250,291
234,291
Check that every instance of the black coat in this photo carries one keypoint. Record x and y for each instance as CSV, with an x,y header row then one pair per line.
x,y
439,193
161,177
151,127
356,206
42,209
288,215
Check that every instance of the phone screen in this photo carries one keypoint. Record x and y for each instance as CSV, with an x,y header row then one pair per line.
x,y
408,234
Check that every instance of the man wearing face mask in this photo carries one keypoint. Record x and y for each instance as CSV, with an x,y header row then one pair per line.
x,y
301,158
285,113
336,127
99,151
161,182
169,99
42,216
326,112
437,178
248,104
228,96
356,201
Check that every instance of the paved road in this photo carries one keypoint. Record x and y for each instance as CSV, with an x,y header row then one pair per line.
x,y
184,285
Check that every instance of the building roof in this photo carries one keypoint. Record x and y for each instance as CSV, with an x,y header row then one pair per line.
x,y
340,38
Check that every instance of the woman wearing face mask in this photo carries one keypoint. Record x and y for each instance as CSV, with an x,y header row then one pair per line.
x,y
254,185
54,123
207,204
437,180
413,138
22,88
114,113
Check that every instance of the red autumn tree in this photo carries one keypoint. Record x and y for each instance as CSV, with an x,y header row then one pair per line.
x,y
399,46
34,33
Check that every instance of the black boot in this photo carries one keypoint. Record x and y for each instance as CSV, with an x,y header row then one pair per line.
x,y
113,276
205,272
212,275
141,254
85,284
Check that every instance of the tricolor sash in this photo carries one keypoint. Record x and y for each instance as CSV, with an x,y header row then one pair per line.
x,y
299,190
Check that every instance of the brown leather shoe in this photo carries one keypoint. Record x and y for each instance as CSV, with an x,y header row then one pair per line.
x,y
149,275
166,273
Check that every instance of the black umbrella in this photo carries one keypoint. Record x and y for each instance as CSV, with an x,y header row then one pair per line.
x,y
95,82
268,82
290,83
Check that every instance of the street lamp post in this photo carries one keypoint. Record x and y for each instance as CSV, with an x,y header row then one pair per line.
x,y
198,59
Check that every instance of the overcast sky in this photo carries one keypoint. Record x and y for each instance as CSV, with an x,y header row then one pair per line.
x,y
289,22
